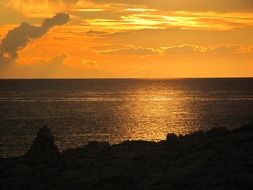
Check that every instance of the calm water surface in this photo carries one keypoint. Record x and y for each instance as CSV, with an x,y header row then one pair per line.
x,y
115,110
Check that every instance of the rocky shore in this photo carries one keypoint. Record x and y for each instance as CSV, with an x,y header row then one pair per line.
x,y
216,159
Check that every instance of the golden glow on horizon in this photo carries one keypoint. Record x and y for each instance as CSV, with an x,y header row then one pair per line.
x,y
127,40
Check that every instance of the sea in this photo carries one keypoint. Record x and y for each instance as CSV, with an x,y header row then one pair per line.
x,y
114,110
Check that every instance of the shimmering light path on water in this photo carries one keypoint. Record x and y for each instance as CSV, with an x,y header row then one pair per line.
x,y
79,111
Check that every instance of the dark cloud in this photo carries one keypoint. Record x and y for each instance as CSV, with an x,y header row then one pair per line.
x,y
19,37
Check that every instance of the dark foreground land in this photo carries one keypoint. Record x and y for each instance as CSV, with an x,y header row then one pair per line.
x,y
217,159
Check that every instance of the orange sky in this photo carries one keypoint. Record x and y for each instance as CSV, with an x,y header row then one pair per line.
x,y
119,38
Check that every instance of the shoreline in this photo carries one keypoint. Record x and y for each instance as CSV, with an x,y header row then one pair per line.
x,y
216,159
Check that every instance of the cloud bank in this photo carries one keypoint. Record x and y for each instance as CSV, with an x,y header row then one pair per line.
x,y
19,37
186,5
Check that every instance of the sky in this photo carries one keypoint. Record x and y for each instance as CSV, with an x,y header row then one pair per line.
x,y
126,39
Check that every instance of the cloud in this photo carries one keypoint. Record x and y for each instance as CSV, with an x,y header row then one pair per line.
x,y
175,36
19,37
213,51
164,5
39,67
141,14
57,60
95,33
179,50
232,49
88,62
186,5
182,50
130,51
54,67
40,8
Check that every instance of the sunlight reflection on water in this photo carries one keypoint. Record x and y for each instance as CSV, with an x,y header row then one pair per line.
x,y
79,111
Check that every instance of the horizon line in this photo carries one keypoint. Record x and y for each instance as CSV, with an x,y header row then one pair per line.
x,y
129,78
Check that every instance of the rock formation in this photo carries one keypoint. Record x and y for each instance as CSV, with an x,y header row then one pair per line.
x,y
43,148
216,159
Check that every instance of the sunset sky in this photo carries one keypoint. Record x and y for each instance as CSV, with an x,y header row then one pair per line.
x,y
126,39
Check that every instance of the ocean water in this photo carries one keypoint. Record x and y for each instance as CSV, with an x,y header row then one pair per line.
x,y
114,110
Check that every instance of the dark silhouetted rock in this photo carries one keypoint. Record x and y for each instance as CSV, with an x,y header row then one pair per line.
x,y
244,128
223,163
171,137
218,132
198,134
43,148
98,144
